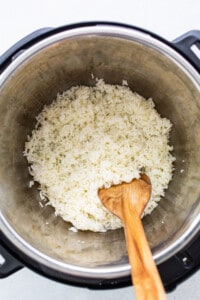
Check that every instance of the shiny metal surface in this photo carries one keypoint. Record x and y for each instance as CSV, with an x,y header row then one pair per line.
x,y
69,58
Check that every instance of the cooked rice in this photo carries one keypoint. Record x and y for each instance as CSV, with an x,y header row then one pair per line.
x,y
92,137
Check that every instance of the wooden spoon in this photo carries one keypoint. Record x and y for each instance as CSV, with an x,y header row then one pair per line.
x,y
127,201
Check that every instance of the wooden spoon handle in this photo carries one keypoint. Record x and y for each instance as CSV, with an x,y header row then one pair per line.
x,y
145,276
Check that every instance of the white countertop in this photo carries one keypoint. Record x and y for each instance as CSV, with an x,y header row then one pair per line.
x,y
168,19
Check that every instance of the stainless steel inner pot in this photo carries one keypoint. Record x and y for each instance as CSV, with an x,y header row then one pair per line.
x,y
33,79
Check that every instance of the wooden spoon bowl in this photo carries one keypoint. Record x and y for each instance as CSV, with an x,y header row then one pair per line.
x,y
127,201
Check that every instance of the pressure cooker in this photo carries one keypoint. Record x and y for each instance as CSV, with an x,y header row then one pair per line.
x,y
52,60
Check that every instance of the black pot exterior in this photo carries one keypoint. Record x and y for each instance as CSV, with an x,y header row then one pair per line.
x,y
172,271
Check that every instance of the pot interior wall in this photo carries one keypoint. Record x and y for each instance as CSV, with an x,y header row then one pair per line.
x,y
56,68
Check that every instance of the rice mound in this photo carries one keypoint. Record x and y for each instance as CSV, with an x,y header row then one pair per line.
x,y
93,137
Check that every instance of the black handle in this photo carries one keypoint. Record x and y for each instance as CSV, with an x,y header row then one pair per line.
x,y
10,264
184,45
182,265
20,46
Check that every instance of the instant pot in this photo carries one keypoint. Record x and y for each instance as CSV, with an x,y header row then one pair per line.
x,y
50,61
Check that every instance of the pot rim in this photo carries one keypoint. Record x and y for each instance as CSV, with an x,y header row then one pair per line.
x,y
123,32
